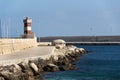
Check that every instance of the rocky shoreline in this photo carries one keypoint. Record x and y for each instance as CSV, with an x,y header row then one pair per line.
x,y
61,60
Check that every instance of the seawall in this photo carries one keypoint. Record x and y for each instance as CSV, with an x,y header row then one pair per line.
x,y
8,46
93,43
81,38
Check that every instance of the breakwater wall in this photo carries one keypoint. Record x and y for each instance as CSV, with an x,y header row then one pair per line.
x,y
60,60
81,38
93,43
13,45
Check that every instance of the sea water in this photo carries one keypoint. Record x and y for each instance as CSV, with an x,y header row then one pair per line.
x,y
103,63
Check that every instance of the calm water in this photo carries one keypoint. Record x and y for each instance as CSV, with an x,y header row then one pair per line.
x,y
102,64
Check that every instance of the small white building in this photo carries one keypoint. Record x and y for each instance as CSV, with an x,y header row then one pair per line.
x,y
59,43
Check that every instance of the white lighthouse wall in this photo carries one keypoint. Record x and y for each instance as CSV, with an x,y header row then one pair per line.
x,y
28,28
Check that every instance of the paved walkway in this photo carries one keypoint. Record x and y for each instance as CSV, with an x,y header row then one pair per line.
x,y
43,52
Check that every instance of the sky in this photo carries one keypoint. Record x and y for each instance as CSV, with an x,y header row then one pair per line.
x,y
61,17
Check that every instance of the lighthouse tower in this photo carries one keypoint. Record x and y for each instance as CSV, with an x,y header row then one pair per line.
x,y
27,28
27,25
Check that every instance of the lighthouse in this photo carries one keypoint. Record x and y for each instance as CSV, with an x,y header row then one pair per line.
x,y
27,28
27,25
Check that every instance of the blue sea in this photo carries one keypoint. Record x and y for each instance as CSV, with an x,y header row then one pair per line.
x,y
103,63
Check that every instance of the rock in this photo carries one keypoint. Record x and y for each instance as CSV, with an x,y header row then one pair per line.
x,y
24,66
51,67
62,69
77,50
42,62
2,78
71,47
82,50
70,67
28,73
15,68
51,60
55,58
7,75
67,67
54,67
62,61
23,76
34,67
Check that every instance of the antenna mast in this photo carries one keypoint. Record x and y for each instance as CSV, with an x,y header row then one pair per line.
x,y
0,30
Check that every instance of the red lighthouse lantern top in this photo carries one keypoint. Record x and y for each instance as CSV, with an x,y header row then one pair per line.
x,y
27,20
